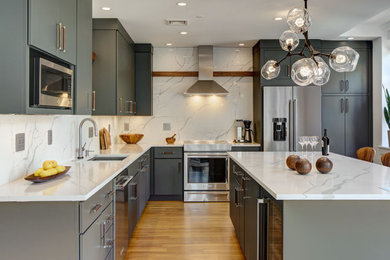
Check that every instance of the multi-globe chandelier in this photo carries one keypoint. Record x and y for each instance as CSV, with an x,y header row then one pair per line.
x,y
311,68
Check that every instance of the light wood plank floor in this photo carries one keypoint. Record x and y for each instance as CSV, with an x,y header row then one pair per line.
x,y
177,230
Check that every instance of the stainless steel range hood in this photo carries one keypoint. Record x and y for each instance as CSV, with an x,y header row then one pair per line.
x,y
205,85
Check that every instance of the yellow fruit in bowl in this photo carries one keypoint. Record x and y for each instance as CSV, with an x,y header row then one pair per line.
x,y
38,172
60,168
54,163
48,172
47,165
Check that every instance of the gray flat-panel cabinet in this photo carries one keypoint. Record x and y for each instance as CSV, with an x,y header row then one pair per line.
x,y
357,118
348,122
168,177
83,101
133,204
113,71
144,79
252,193
52,27
334,121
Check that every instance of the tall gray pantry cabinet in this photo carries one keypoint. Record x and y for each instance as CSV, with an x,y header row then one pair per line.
x,y
113,74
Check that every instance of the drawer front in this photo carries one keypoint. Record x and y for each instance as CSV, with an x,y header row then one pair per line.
x,y
93,207
168,152
97,242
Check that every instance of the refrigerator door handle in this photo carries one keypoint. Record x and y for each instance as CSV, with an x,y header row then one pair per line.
x,y
294,124
290,126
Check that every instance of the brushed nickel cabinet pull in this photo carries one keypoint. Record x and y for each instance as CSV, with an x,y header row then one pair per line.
x,y
59,29
346,105
63,39
135,107
342,105
346,85
94,100
120,105
341,85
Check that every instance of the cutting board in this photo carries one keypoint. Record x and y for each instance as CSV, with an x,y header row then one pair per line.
x,y
105,139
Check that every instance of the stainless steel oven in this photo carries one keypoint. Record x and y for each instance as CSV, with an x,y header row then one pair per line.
x,y
51,82
206,176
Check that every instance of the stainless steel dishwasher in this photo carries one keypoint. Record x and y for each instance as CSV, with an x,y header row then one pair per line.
x,y
121,204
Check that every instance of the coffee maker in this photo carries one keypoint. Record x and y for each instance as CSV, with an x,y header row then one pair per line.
x,y
248,131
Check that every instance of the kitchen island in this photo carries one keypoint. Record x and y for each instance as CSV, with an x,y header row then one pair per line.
x,y
340,215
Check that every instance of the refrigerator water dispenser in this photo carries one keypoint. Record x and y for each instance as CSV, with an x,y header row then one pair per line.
x,y
279,129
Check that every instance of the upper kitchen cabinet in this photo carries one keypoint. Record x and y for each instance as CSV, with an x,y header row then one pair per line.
x,y
113,71
144,79
83,95
52,27
356,82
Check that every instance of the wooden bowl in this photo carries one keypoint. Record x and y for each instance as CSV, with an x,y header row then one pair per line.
x,y
38,179
324,165
291,161
303,166
170,140
131,138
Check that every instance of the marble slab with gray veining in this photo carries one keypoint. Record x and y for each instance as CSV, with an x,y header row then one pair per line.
x,y
350,179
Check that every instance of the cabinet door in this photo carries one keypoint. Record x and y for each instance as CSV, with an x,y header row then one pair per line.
x,y
168,177
357,82
43,25
241,218
83,96
275,230
144,83
252,192
357,126
124,75
141,192
104,72
67,16
336,83
333,120
133,204
233,204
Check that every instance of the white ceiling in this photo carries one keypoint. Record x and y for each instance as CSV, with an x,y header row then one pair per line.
x,y
229,22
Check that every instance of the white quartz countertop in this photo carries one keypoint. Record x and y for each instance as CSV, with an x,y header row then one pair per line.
x,y
83,180
350,179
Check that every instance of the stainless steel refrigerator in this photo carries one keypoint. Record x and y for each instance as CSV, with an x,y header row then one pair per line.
x,y
290,112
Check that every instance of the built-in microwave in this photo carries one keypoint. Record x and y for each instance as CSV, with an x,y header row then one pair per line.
x,y
51,82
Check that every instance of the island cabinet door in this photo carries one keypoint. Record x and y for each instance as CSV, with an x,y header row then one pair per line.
x,y
272,226
234,210
251,195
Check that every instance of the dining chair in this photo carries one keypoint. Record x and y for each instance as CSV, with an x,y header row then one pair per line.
x,y
366,154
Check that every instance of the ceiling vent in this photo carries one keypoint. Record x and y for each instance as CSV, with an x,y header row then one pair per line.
x,y
176,22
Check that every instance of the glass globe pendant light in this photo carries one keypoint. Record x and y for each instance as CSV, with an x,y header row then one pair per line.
x,y
270,70
310,69
289,40
344,59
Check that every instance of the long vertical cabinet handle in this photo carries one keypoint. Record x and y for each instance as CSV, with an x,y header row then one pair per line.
x,y
290,127
342,105
341,85
346,105
347,85
135,107
263,227
294,123
93,101
289,70
59,29
120,105
63,38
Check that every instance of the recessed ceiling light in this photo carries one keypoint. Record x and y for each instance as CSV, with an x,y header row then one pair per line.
x,y
106,8
350,38
168,44
182,4
278,18
241,44
183,33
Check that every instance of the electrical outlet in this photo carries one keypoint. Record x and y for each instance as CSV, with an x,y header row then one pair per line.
x,y
20,142
127,126
166,126
50,137
90,132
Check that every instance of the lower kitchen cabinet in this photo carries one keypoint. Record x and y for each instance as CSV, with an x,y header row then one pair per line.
x,y
256,216
168,173
59,230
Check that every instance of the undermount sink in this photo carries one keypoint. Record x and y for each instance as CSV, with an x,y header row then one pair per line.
x,y
111,157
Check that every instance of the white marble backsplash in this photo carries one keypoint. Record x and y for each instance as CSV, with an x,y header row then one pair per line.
x,y
195,117
190,117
